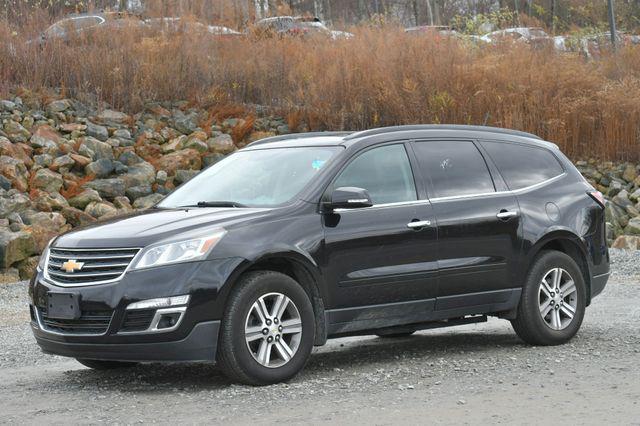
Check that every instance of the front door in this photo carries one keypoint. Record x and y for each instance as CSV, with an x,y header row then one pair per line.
x,y
478,226
374,255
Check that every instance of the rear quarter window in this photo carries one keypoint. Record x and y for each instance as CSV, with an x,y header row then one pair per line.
x,y
521,165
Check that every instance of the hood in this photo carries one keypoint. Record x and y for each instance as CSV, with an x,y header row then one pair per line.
x,y
148,227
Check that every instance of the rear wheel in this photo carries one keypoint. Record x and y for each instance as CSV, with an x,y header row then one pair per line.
x,y
267,330
105,365
553,301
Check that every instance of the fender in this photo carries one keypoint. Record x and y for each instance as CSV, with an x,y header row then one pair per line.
x,y
562,234
554,233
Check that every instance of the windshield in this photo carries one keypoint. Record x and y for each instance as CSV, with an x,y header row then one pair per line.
x,y
260,178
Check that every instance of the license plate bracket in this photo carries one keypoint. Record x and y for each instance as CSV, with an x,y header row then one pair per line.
x,y
63,306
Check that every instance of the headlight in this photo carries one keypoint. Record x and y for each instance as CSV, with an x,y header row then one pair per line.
x,y
178,251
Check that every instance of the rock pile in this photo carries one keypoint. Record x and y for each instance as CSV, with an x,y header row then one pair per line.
x,y
65,164
620,184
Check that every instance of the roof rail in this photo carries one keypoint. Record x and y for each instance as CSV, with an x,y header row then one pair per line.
x,y
296,136
383,130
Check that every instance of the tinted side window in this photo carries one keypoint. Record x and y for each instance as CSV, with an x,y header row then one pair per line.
x,y
521,165
454,167
385,172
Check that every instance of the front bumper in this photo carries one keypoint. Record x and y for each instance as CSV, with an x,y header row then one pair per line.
x,y
194,339
199,345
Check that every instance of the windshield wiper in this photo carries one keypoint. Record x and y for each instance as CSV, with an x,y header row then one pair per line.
x,y
217,204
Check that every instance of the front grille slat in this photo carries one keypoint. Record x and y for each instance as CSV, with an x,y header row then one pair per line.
x,y
92,265
90,322
82,275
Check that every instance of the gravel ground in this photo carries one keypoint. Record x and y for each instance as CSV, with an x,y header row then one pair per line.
x,y
472,374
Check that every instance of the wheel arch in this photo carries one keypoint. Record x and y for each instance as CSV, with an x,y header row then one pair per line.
x,y
568,243
301,269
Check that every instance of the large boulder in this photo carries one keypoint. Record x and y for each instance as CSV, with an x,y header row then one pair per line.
x,y
112,118
46,202
181,160
101,168
99,132
147,202
174,144
107,188
183,176
13,203
186,124
16,132
45,137
99,149
16,171
27,267
87,196
140,191
44,226
62,163
47,181
101,209
139,174
77,217
18,151
633,227
630,173
15,246
10,275
222,144
622,199
627,242
59,105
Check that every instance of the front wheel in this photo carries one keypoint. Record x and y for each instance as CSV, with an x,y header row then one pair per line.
x,y
268,329
553,301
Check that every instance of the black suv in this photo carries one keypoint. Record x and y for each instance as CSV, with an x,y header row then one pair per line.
x,y
299,238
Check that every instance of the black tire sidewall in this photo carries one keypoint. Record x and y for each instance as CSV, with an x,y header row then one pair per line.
x,y
544,264
271,283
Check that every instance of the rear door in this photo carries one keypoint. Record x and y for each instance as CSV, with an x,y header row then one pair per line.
x,y
478,225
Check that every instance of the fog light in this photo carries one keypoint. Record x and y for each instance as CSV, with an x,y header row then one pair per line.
x,y
168,320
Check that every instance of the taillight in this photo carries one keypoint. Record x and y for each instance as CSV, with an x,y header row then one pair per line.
x,y
597,197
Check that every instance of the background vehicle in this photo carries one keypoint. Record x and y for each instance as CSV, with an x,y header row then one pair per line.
x,y
83,23
298,26
536,37
176,24
300,238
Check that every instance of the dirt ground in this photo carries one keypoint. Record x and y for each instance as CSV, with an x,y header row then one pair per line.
x,y
474,374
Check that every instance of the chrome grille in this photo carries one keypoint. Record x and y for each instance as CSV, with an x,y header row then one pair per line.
x,y
97,265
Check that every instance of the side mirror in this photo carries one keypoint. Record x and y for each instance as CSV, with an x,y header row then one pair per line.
x,y
348,197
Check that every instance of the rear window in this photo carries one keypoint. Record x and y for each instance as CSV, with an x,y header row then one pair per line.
x,y
521,165
455,168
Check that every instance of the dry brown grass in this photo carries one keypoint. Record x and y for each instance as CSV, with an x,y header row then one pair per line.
x,y
382,77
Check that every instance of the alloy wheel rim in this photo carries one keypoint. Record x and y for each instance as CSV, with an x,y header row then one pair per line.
x,y
273,330
558,299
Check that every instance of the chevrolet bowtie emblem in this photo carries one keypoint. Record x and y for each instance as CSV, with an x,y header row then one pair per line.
x,y
72,265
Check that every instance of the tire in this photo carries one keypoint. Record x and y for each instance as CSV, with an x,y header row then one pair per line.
x,y
105,365
529,324
244,361
395,335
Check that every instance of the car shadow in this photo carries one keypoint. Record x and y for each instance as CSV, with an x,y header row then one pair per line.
x,y
342,354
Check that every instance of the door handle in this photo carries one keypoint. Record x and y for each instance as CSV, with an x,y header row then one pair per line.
x,y
505,214
418,224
